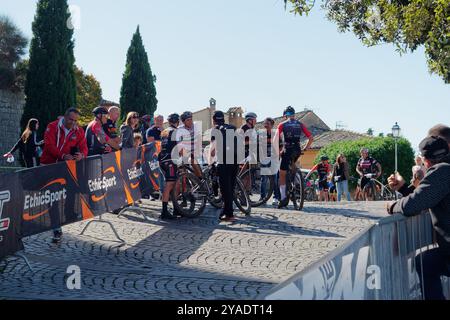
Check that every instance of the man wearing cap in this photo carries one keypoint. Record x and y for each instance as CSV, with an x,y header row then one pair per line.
x,y
433,193
227,168
97,140
440,130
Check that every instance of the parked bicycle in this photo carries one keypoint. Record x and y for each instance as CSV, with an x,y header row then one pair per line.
x,y
196,191
259,188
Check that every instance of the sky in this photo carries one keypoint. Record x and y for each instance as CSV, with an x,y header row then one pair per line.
x,y
257,55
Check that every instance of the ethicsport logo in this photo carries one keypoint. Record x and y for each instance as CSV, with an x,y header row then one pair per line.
x,y
102,184
5,196
44,199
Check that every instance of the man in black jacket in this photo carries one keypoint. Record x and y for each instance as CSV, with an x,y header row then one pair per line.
x,y
433,193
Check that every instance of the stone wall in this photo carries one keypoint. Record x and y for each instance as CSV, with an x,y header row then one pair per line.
x,y
11,109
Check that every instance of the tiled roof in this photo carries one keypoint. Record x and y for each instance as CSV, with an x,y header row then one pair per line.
x,y
308,117
235,109
328,137
104,102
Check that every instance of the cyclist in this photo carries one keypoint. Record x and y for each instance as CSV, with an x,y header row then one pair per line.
x,y
367,168
169,168
98,141
290,132
323,169
248,133
188,141
110,127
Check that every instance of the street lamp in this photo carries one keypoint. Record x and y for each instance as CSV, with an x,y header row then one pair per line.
x,y
396,134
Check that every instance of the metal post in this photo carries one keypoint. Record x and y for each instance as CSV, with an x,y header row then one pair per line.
x,y
396,156
100,220
396,164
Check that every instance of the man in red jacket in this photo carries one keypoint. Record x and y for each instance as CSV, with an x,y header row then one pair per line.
x,y
64,140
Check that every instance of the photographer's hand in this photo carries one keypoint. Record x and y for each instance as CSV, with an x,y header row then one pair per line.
x,y
78,156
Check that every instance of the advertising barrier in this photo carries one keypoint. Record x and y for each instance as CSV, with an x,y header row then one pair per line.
x,y
378,264
40,199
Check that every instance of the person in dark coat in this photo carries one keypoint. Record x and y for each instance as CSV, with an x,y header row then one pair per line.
x,y
433,194
128,128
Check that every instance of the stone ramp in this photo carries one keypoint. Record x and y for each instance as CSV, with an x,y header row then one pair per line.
x,y
185,259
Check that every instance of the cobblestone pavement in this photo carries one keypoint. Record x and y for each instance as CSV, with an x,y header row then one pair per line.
x,y
184,259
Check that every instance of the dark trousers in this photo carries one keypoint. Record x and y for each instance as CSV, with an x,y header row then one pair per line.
x,y
227,180
31,162
435,265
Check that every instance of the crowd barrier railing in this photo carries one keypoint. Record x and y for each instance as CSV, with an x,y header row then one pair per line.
x,y
377,264
40,199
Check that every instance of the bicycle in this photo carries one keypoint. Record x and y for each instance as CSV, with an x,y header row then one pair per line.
x,y
311,190
207,189
295,187
376,190
256,183
187,197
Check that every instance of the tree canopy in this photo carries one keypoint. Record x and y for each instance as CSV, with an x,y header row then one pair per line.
x,y
382,149
50,85
89,94
12,47
138,92
407,24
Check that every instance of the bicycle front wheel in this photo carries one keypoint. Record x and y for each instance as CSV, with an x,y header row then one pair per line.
x,y
254,186
188,197
298,191
241,198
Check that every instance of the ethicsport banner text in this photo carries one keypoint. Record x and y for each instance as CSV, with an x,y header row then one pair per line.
x,y
40,199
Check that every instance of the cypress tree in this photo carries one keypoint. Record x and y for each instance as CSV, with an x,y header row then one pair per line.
x,y
138,92
50,86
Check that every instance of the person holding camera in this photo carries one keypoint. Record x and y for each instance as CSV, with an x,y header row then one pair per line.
x,y
64,139
433,194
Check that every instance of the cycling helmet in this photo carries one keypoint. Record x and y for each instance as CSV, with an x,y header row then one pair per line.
x,y
219,116
250,116
147,118
324,158
186,115
289,111
365,150
173,118
99,110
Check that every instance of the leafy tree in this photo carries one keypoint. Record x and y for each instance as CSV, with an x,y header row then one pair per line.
x,y
407,24
138,91
50,86
12,47
382,149
89,94
370,132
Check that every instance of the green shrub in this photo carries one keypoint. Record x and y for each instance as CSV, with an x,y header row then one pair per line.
x,y
382,149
